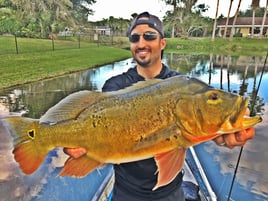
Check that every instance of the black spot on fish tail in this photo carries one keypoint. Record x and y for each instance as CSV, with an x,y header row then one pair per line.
x,y
31,133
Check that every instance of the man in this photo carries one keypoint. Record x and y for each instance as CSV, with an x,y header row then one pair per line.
x,y
134,181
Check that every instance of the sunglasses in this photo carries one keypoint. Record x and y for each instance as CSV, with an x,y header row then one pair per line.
x,y
148,36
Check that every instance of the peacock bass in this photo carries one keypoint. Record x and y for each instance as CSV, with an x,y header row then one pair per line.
x,y
153,118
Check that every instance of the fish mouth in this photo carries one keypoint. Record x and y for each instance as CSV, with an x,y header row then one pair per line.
x,y
237,120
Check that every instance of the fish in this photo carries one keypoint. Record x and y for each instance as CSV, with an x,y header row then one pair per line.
x,y
155,118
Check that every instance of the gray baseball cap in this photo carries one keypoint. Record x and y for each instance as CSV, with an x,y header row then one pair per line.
x,y
152,21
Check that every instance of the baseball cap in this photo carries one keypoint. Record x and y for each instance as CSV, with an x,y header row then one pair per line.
x,y
152,21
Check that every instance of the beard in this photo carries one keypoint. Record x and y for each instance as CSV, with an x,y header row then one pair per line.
x,y
143,64
142,60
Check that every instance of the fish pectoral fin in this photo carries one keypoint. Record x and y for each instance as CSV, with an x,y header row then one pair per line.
x,y
79,167
156,137
169,166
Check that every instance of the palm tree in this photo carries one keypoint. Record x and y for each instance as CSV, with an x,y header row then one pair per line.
x,y
227,20
215,21
236,14
174,4
263,19
255,5
179,10
47,13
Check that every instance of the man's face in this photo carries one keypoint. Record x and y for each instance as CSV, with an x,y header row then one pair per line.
x,y
147,50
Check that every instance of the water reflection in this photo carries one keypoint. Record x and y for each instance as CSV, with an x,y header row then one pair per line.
x,y
237,74
36,98
241,76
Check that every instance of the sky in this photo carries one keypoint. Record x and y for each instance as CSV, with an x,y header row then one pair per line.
x,y
124,8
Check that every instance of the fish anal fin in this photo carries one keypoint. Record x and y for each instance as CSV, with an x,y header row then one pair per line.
x,y
79,167
28,157
169,166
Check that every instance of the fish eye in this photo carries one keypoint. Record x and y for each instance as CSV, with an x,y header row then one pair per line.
x,y
213,96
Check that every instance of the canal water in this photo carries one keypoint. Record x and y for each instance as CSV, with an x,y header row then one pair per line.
x,y
239,74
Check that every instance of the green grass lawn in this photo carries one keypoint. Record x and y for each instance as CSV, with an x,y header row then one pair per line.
x,y
36,59
238,46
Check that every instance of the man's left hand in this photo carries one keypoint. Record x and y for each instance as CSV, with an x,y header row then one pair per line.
x,y
236,139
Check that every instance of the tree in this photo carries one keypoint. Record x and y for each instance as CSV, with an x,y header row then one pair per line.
x,y
215,21
183,20
184,24
227,20
200,8
234,22
118,26
255,5
8,21
263,19
5,4
81,9
50,14
248,13
189,4
174,4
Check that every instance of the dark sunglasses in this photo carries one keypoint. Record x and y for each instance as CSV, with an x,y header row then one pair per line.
x,y
148,36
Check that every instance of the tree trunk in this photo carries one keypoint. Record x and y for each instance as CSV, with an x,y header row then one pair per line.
x,y
234,22
253,23
227,20
173,26
215,21
263,19
255,5
173,31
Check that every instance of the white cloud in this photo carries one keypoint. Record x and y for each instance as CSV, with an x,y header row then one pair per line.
x,y
124,8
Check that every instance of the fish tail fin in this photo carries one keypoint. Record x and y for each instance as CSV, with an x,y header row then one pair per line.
x,y
28,157
26,151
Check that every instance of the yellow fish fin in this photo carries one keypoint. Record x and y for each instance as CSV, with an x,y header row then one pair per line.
x,y
79,167
71,107
26,152
169,165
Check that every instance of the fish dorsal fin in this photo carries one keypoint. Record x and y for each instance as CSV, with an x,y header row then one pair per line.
x,y
71,107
